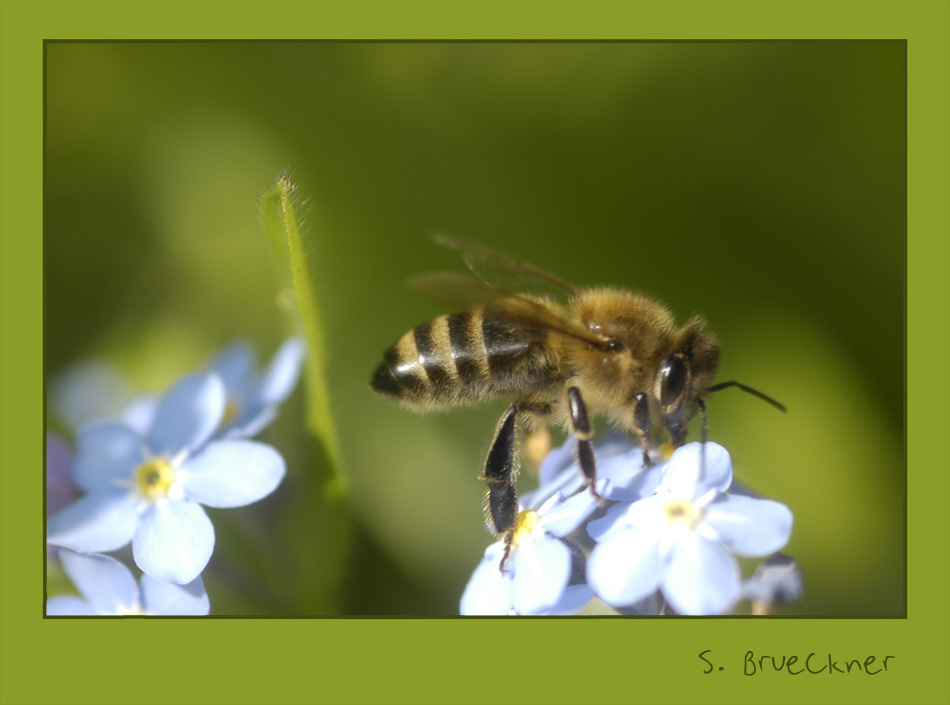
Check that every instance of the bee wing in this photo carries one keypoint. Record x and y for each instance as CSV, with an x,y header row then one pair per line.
x,y
463,292
507,273
457,291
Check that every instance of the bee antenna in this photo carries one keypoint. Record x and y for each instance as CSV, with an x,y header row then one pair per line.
x,y
750,390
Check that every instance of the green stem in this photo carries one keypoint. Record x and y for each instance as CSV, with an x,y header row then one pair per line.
x,y
277,206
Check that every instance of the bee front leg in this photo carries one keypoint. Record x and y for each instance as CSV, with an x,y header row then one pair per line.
x,y
501,469
580,424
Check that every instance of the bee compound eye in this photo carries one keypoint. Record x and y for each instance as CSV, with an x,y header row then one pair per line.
x,y
673,377
613,345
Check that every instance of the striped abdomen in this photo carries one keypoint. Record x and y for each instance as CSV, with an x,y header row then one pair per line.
x,y
465,357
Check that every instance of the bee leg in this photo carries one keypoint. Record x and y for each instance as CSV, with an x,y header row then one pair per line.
x,y
641,425
678,430
501,502
678,436
702,413
502,506
580,424
702,452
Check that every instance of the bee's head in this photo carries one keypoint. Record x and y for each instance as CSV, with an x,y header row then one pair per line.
x,y
685,375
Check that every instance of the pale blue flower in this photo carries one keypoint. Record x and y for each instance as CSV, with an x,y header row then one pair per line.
x,y
776,579
148,489
684,539
252,397
140,412
86,392
621,474
60,487
108,588
538,573
91,391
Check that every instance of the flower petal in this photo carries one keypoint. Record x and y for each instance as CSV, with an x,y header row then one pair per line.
x,y
574,598
567,514
174,541
87,392
280,377
685,475
139,413
777,579
252,420
106,452
68,606
625,566
557,461
567,482
612,520
188,415
646,513
618,459
750,527
235,365
99,522
60,487
232,473
164,598
103,581
489,590
702,576
541,568
630,479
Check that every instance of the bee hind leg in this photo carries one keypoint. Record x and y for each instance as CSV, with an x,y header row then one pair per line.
x,y
501,469
580,424
501,508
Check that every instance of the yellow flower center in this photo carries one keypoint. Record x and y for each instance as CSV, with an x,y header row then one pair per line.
x,y
528,521
683,512
155,477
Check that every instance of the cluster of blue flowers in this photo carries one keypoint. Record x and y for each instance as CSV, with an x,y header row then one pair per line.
x,y
666,540
146,477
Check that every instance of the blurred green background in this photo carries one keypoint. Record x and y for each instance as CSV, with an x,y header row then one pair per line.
x,y
760,184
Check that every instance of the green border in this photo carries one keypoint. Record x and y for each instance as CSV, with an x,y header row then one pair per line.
x,y
483,660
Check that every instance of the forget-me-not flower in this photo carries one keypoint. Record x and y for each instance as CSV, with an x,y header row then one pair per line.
x,y
149,489
539,568
253,398
92,391
777,579
60,487
683,540
108,588
88,391
621,474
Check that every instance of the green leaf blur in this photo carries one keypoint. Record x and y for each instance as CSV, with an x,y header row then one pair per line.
x,y
760,184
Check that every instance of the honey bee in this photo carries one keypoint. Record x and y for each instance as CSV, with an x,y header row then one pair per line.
x,y
565,354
